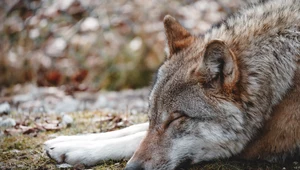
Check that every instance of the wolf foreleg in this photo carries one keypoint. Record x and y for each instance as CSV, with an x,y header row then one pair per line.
x,y
95,148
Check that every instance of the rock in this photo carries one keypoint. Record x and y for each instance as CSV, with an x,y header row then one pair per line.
x,y
34,33
68,104
64,5
134,101
57,5
33,21
67,120
4,108
8,122
40,59
85,40
56,47
22,98
13,25
89,24
135,44
64,165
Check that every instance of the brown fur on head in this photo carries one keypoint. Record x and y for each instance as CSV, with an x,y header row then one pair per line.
x,y
214,93
218,61
190,89
178,37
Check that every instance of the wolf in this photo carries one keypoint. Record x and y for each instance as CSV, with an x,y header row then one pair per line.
x,y
232,92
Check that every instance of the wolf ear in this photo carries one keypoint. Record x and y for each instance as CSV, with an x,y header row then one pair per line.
x,y
177,36
219,65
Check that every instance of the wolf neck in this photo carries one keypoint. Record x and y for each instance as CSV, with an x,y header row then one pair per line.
x,y
266,41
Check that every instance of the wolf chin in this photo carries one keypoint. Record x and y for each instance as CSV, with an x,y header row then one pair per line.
x,y
234,91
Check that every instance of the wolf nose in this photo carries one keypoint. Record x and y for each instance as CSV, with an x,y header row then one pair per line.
x,y
134,166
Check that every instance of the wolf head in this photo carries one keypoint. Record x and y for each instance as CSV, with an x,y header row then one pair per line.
x,y
193,111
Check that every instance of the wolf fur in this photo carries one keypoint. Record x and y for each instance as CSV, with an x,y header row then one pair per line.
x,y
234,91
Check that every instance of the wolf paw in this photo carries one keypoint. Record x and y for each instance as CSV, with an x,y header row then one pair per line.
x,y
73,153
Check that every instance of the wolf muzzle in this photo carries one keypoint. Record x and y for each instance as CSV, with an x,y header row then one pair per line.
x,y
134,166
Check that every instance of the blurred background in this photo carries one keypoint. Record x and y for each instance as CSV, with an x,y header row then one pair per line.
x,y
93,45
83,66
64,55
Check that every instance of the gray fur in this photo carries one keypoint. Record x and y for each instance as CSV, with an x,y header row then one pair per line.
x,y
265,38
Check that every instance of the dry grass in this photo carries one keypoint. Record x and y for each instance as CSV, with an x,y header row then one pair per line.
x,y
26,151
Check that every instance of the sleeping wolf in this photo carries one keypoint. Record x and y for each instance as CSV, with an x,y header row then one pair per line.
x,y
234,91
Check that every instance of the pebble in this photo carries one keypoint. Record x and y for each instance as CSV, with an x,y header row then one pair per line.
x,y
64,165
56,47
53,100
67,120
4,109
8,122
90,24
22,98
68,104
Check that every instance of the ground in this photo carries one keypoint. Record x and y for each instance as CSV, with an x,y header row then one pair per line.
x,y
25,151
21,146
